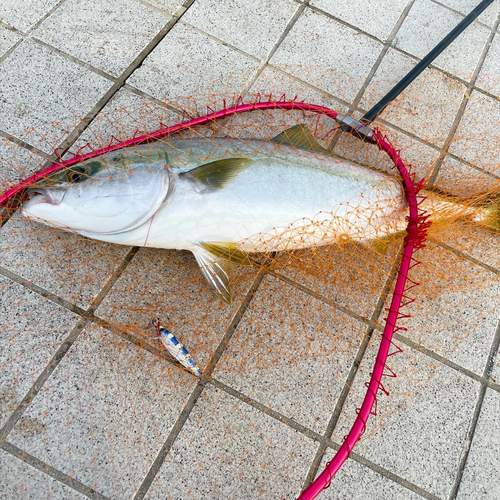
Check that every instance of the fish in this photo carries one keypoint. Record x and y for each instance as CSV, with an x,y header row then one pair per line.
x,y
223,199
175,348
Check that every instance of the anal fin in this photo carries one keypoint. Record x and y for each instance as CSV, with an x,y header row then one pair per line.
x,y
216,271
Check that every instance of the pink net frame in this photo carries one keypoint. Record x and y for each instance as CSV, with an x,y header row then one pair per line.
x,y
414,240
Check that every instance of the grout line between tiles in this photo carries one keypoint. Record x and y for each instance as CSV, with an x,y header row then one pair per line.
x,y
353,372
111,281
463,106
42,378
461,14
51,471
197,391
387,46
274,48
41,291
376,65
74,59
495,345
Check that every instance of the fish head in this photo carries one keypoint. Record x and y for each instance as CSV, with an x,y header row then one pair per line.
x,y
108,194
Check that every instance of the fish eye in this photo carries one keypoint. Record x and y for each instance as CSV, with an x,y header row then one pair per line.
x,y
76,175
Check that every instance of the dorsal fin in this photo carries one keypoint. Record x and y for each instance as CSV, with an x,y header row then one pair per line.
x,y
300,136
217,174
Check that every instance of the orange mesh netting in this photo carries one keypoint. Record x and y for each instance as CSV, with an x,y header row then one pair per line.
x,y
88,387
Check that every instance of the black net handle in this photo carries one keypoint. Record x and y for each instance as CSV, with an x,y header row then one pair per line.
x,y
424,63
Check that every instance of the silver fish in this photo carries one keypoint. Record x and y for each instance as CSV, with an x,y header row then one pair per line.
x,y
221,199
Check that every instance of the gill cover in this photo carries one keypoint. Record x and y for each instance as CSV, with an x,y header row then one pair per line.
x,y
116,198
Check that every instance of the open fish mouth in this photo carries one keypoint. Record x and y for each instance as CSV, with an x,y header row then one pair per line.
x,y
51,196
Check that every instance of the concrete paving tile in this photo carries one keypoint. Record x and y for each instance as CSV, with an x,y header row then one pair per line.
x,y
327,54
427,108
460,322
170,285
460,179
489,77
227,449
357,482
189,63
106,411
108,34
71,266
253,27
31,330
362,271
22,481
478,242
126,115
8,39
24,15
420,429
427,24
16,163
488,17
28,107
376,18
481,479
477,139
296,362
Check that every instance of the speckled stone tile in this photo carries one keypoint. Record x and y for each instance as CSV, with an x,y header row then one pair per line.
x,y
420,429
31,330
227,449
105,411
357,482
253,27
477,139
8,39
327,54
361,269
108,34
489,77
458,322
427,24
24,482
16,163
376,18
71,266
462,180
465,7
23,15
426,109
480,479
41,93
170,285
189,63
292,353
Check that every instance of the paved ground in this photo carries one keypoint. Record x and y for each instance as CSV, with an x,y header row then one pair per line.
x,y
75,57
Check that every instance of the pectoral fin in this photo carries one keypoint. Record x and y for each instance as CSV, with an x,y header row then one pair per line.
x,y
216,271
216,174
300,137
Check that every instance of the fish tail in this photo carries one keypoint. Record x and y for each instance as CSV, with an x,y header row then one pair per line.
x,y
176,348
490,217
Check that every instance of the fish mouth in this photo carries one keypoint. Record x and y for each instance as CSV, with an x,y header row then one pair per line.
x,y
38,196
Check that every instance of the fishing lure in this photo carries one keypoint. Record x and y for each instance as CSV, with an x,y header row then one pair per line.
x,y
175,348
